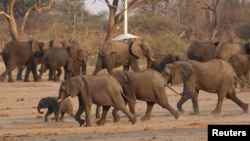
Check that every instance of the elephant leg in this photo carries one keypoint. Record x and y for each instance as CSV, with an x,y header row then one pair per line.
x,y
19,73
110,69
26,76
116,115
126,68
194,99
148,111
87,114
98,66
78,114
7,71
42,70
49,112
218,107
184,98
123,108
163,102
97,112
54,74
10,77
102,121
62,115
235,99
59,72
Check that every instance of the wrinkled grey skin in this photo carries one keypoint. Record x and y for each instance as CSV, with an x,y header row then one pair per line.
x,y
18,54
113,54
241,65
160,60
147,85
102,90
52,106
202,50
214,76
226,51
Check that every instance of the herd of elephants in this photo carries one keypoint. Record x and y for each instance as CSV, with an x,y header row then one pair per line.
x,y
210,66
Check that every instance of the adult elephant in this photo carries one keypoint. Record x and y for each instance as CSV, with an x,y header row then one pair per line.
x,y
113,54
241,65
147,85
227,50
160,60
102,90
40,50
68,57
202,50
18,54
214,76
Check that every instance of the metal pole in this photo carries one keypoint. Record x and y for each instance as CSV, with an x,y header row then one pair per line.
x,y
125,16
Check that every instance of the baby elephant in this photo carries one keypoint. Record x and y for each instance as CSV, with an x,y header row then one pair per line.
x,y
53,106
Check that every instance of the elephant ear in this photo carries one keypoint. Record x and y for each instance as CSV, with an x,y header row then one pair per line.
x,y
136,49
73,52
186,71
182,72
82,55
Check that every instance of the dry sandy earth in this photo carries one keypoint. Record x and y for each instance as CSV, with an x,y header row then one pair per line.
x,y
19,119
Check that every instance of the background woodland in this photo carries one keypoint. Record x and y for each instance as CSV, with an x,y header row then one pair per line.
x,y
168,25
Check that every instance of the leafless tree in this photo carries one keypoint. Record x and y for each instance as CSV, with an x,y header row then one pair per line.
x,y
16,31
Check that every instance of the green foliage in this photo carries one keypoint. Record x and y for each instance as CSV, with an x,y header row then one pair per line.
x,y
243,31
145,24
168,44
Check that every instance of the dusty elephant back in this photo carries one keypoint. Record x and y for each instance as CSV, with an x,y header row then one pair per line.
x,y
101,82
212,68
227,50
202,51
111,47
143,78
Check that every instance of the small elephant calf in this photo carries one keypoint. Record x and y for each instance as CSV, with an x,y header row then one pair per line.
x,y
51,103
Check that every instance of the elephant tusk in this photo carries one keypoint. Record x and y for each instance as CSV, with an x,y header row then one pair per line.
x,y
152,59
59,100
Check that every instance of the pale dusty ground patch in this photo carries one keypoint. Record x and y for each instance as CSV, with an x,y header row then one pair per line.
x,y
19,119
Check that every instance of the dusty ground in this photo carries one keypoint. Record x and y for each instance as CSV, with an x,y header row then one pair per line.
x,y
19,119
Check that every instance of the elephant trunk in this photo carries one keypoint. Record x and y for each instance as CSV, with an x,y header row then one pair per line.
x,y
38,109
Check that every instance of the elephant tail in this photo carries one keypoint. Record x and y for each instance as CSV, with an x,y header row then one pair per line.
x,y
1,53
123,94
173,90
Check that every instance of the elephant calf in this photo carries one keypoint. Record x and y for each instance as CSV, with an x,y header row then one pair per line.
x,y
53,106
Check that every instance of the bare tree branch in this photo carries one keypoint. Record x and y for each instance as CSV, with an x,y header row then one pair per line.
x,y
5,14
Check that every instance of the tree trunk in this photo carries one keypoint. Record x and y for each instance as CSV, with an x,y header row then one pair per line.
x,y
11,19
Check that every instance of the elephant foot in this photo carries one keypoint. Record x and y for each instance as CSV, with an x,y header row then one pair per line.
x,y
87,125
245,108
10,80
1,78
215,112
145,118
195,113
181,111
100,122
81,122
176,114
116,117
133,120
26,80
